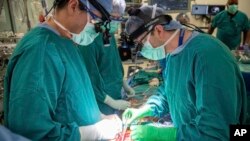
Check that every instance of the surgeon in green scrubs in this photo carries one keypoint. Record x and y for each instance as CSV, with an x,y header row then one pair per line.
x,y
48,93
105,67
204,88
230,24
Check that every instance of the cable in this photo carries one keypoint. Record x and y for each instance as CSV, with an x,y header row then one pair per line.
x,y
194,27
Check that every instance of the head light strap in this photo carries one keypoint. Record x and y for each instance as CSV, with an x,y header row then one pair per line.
x,y
162,19
103,11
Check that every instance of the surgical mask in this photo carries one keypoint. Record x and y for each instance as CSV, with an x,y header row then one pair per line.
x,y
232,8
87,36
158,53
114,26
153,53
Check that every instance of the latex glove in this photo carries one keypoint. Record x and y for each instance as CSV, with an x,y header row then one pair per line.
x,y
151,132
246,47
128,89
117,104
154,82
132,114
102,130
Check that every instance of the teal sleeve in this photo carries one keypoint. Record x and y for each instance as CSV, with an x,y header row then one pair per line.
x,y
159,102
110,67
219,95
33,83
246,25
91,55
215,20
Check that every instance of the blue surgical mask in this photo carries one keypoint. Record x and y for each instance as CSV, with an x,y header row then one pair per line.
x,y
87,36
232,8
157,53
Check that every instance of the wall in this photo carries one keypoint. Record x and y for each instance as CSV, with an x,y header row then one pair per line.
x,y
244,6
200,21
5,18
19,16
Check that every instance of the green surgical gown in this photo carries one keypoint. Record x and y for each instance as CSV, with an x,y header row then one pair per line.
x,y
105,69
48,93
204,91
229,28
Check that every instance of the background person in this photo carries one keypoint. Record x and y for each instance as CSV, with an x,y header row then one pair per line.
x,y
230,24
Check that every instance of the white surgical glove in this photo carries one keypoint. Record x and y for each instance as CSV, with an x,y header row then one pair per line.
x,y
102,130
117,104
154,82
128,89
246,48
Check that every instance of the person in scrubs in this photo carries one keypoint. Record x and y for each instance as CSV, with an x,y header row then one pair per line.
x,y
202,98
48,93
104,65
230,24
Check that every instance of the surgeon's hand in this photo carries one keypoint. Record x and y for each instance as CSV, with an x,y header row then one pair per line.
x,y
102,130
132,114
128,89
151,132
117,104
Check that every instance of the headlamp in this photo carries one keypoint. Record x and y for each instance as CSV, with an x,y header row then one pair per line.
x,y
105,18
105,21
